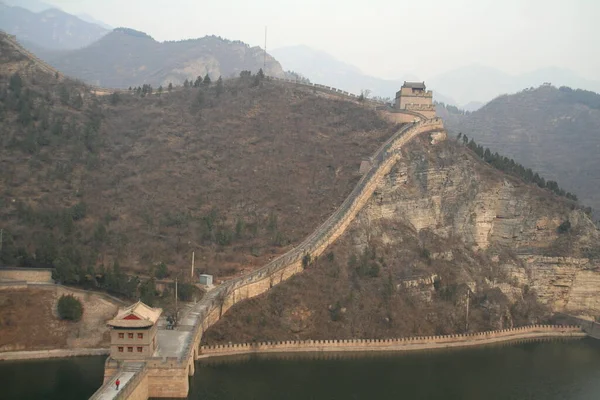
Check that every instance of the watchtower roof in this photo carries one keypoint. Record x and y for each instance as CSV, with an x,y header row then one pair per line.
x,y
414,85
137,315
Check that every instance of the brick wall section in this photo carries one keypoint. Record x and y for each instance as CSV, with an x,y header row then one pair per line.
x,y
26,274
401,344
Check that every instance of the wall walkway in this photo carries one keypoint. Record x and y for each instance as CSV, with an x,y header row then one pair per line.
x,y
168,374
402,344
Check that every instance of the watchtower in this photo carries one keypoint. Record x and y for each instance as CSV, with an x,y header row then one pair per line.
x,y
133,332
414,97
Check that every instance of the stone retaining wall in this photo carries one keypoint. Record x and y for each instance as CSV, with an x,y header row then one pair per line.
x,y
44,354
401,344
13,285
26,274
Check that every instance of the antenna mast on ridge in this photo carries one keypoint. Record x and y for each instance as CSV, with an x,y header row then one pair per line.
x,y
265,60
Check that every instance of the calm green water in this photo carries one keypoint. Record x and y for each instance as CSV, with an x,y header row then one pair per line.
x,y
530,371
543,370
66,379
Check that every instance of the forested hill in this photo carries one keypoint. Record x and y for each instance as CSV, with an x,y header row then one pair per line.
x,y
126,57
554,131
238,171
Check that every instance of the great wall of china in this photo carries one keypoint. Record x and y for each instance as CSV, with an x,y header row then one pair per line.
x,y
400,344
168,376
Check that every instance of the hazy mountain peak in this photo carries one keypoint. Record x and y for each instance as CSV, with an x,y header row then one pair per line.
x,y
50,28
301,54
133,32
31,5
479,83
92,20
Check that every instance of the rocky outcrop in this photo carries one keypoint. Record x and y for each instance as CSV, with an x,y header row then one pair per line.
x,y
445,191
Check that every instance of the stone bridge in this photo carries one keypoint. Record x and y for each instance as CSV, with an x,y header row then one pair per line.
x,y
166,374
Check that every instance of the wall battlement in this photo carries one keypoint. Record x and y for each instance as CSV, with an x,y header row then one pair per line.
x,y
168,377
399,344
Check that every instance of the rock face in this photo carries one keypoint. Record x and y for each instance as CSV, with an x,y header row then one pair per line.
x,y
513,225
443,233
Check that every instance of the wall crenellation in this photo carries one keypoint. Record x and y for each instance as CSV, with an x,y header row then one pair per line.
x,y
365,344
222,298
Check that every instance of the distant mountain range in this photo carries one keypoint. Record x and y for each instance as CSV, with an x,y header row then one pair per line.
x,y
468,87
321,67
50,29
126,57
480,84
31,5
553,131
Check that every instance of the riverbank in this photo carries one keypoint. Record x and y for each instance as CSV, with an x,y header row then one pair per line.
x,y
47,354
402,344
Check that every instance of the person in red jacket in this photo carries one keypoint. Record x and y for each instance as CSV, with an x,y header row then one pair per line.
x,y
117,382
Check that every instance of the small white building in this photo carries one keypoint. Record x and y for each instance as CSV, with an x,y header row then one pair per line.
x,y
206,280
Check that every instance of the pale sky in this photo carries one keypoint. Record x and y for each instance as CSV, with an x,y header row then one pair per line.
x,y
384,38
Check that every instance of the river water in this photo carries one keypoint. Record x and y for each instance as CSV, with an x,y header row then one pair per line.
x,y
549,370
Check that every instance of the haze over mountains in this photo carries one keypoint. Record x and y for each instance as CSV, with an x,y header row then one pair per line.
x,y
553,131
478,83
126,57
50,29
528,126
44,29
468,87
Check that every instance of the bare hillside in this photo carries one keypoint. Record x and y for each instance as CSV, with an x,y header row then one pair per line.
x,y
553,131
237,173
443,230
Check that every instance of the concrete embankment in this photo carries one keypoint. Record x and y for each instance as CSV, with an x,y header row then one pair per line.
x,y
45,354
402,344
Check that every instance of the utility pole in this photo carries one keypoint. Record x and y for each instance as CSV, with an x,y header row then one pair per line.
x,y
176,304
192,266
1,232
265,60
467,319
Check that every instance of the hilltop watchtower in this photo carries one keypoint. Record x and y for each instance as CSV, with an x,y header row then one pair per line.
x,y
414,97
133,332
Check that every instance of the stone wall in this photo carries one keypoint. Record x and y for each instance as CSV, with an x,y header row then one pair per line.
x,y
45,354
169,377
401,344
13,285
330,90
135,388
225,296
26,274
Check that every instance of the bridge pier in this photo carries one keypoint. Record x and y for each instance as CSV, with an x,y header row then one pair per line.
x,y
191,367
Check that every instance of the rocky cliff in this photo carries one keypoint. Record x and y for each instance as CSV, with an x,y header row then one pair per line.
x,y
450,194
446,244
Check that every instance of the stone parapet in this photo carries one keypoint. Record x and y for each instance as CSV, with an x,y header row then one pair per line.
x,y
46,354
400,344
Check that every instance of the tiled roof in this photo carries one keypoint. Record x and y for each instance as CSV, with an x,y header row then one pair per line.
x,y
414,85
140,315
